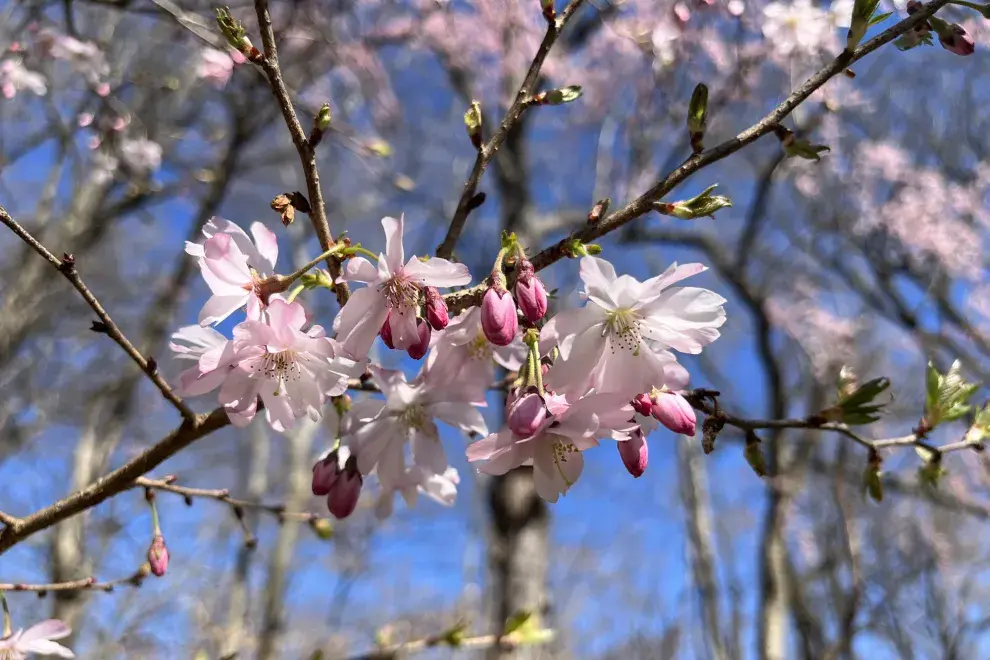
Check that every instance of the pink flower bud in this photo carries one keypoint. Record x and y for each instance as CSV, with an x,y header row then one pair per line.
x,y
634,453
498,316
103,89
325,474
418,350
386,334
530,292
526,414
956,40
436,309
643,404
346,490
673,411
158,555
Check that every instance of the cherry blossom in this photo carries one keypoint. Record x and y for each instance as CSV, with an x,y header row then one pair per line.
x,y
406,416
292,370
37,639
393,292
140,155
15,77
84,57
214,356
555,449
799,27
233,267
463,352
441,488
618,342
214,66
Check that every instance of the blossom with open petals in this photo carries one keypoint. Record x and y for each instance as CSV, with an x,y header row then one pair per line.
x,y
407,417
214,356
393,292
618,341
37,639
15,77
441,488
555,449
291,369
214,66
233,266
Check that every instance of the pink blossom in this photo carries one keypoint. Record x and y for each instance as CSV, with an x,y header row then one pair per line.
x,y
37,639
617,343
15,77
634,452
84,57
498,316
393,293
555,449
441,488
214,356
462,352
798,27
141,156
673,411
214,66
406,417
292,370
233,266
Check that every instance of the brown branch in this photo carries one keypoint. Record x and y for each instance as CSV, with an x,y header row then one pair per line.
x,y
644,203
85,584
487,151
120,479
168,484
482,642
67,267
307,154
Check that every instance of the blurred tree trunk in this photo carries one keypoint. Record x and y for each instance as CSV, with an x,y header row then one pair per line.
x,y
701,538
519,536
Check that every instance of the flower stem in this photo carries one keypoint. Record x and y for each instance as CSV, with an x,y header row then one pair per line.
x,y
7,630
295,292
334,249
357,249
154,513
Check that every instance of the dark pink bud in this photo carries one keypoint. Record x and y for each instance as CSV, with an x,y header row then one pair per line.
x,y
673,411
956,40
634,453
325,474
643,404
418,350
158,555
436,309
526,414
530,292
498,316
386,333
343,497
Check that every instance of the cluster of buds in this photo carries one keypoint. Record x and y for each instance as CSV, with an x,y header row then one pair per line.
x,y
435,317
499,318
336,477
952,36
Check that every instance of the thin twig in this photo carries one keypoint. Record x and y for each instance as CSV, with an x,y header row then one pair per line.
x,y
488,150
84,584
67,267
168,484
433,641
644,203
307,154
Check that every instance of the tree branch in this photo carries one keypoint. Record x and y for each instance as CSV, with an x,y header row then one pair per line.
x,y
67,267
488,150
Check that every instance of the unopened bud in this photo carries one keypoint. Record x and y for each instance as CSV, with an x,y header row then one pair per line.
x,y
472,121
871,477
697,119
953,37
343,497
703,205
709,431
673,411
325,473
498,314
386,333
754,455
322,527
158,556
436,309
546,6
526,415
235,35
418,348
321,122
634,452
643,404
530,292
599,210
795,148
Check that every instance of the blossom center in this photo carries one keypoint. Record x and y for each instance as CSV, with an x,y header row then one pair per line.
x,y
562,449
480,348
622,324
399,292
281,366
414,417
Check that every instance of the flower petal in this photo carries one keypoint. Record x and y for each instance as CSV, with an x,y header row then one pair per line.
x,y
437,272
394,254
267,247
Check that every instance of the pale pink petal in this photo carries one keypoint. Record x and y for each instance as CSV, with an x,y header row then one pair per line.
x,y
565,327
48,629
428,452
217,308
360,320
463,416
598,276
359,269
394,254
46,647
437,272
402,321
278,408
574,375
267,244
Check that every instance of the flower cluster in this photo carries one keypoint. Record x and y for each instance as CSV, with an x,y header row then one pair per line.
x,y
604,371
